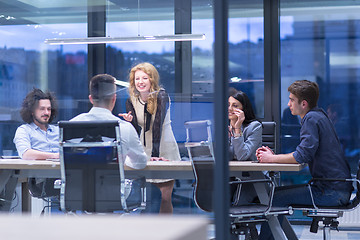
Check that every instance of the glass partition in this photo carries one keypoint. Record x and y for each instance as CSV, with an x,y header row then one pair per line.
x,y
27,62
322,46
246,51
186,69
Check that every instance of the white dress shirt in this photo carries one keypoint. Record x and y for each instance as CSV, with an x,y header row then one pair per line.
x,y
131,145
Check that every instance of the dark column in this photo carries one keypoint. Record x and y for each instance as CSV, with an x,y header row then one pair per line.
x,y
272,78
221,180
183,56
96,28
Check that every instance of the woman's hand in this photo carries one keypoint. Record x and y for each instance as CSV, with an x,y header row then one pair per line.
x,y
127,116
240,118
158,159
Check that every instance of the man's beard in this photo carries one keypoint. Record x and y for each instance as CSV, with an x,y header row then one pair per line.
x,y
45,122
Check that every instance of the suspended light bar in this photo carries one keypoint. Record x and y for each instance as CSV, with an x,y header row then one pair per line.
x,y
122,83
99,40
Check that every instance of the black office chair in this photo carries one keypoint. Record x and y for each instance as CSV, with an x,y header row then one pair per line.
x,y
269,139
329,215
269,135
8,182
244,217
92,169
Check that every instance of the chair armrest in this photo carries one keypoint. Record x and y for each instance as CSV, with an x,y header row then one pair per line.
x,y
251,181
57,184
354,180
332,179
196,144
254,181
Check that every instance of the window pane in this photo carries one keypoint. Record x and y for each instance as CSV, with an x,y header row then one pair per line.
x,y
27,62
322,46
246,51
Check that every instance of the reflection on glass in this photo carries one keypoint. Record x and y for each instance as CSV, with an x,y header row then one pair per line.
x,y
323,46
26,62
246,59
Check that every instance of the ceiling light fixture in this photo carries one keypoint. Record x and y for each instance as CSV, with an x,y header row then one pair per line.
x,y
138,38
122,83
102,40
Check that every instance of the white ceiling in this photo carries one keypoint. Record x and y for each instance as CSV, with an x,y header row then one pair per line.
x,y
75,11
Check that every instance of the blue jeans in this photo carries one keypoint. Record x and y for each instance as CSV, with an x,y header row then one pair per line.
x,y
300,195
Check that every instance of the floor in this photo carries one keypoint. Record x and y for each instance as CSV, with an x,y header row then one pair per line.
x,y
303,233
183,204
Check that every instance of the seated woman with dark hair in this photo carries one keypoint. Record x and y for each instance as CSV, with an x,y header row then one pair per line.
x,y
245,136
245,132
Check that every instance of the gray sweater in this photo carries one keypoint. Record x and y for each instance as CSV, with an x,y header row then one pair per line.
x,y
244,147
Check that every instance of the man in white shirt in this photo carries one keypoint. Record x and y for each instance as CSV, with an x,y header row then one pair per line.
x,y
102,90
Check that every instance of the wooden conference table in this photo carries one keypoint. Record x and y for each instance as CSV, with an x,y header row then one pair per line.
x,y
165,170
176,170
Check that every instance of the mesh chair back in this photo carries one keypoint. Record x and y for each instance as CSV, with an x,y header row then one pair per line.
x,y
204,188
200,149
198,131
92,178
79,129
269,135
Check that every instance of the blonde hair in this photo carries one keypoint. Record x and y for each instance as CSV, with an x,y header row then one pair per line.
x,y
153,74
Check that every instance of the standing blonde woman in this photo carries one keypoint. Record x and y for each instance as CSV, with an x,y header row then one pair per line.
x,y
148,110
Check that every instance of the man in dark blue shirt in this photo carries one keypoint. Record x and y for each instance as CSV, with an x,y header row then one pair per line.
x,y
319,147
